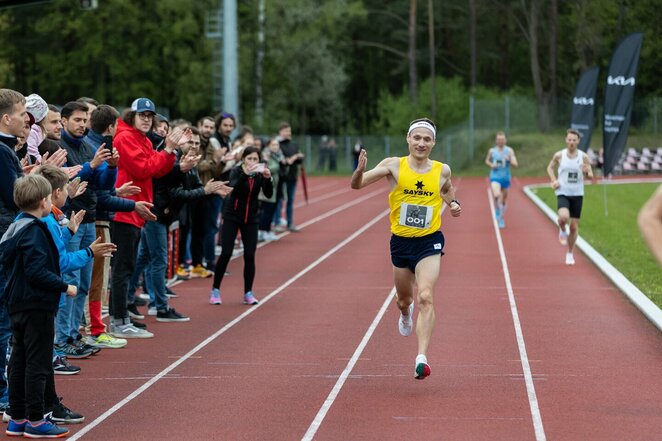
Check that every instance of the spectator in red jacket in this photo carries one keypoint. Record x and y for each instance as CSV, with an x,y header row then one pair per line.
x,y
138,163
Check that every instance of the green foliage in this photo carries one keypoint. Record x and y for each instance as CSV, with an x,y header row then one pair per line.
x,y
329,66
397,111
118,52
616,235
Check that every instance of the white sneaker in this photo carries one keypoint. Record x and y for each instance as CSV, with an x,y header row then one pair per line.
x,y
270,237
406,322
151,310
129,331
569,259
563,237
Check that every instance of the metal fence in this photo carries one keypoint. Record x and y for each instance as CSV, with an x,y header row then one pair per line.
x,y
456,144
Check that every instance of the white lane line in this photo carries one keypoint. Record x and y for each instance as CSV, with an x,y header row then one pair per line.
x,y
317,421
528,378
104,416
319,218
323,197
314,426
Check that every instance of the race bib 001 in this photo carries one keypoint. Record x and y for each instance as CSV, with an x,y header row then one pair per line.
x,y
415,216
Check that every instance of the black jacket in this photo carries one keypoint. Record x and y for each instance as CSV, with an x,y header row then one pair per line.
x,y
242,204
172,191
10,170
30,260
289,172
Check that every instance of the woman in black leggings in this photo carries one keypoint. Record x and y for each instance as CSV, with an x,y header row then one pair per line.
x,y
240,213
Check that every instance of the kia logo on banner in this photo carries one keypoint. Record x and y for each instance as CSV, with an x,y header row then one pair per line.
x,y
583,107
618,99
583,101
620,81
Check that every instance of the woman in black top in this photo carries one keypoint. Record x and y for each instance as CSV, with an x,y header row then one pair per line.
x,y
240,213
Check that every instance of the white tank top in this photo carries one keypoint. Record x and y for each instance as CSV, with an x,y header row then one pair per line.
x,y
570,175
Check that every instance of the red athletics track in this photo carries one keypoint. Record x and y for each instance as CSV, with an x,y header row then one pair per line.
x,y
266,373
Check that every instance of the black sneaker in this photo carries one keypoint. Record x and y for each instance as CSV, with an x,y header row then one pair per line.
x,y
170,293
170,316
138,325
138,301
62,367
80,344
71,351
133,312
63,415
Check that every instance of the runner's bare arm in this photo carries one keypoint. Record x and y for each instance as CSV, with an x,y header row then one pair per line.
x,y
488,158
586,167
362,178
513,158
553,164
447,191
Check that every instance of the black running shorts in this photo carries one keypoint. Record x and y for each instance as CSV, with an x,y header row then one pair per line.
x,y
572,203
406,252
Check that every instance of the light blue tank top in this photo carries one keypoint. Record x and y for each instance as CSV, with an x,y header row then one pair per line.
x,y
502,171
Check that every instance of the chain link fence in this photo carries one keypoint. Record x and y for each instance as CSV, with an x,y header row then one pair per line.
x,y
456,144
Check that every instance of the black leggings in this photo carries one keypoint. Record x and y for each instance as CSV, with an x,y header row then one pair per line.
x,y
249,238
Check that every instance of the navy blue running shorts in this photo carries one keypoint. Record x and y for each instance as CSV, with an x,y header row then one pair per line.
x,y
572,203
406,252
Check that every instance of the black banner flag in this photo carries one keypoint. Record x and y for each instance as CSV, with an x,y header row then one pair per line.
x,y
619,95
583,106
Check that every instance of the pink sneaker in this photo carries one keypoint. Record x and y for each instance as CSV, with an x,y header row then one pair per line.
x,y
249,299
215,297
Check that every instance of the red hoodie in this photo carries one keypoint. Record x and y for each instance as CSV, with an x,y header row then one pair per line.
x,y
139,162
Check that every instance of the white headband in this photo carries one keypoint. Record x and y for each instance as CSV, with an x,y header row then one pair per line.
x,y
424,125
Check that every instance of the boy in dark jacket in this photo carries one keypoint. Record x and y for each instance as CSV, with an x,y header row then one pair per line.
x,y
30,260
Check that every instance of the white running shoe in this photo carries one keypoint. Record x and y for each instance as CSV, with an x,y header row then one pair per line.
x,y
563,237
151,310
569,259
422,368
406,322
129,331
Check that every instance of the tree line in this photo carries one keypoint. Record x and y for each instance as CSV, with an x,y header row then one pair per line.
x,y
326,66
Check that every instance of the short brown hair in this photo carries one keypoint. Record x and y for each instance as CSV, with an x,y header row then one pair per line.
x,y
283,125
8,99
574,132
54,175
500,133
30,190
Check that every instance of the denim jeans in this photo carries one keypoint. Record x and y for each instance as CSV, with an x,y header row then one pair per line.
x,y
70,315
5,333
156,243
214,205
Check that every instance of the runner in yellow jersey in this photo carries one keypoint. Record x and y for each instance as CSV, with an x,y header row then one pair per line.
x,y
418,187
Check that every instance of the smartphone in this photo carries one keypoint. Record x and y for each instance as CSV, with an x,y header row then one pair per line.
x,y
259,168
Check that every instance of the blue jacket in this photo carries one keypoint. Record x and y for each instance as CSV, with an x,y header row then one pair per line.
x,y
69,260
101,178
107,202
30,260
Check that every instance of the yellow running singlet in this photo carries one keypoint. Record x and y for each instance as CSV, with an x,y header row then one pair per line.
x,y
415,201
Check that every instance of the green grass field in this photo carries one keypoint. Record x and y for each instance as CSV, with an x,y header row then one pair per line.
x,y
616,236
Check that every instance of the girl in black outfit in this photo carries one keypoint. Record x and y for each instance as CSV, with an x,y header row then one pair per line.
x,y
240,213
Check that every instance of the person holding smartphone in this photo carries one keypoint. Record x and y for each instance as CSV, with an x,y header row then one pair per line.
x,y
240,213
